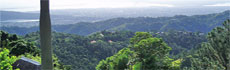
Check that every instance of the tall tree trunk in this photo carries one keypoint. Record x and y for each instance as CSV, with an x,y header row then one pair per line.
x,y
45,35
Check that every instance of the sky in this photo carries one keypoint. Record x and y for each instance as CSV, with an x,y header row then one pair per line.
x,y
33,5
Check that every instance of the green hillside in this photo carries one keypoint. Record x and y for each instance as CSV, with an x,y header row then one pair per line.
x,y
201,23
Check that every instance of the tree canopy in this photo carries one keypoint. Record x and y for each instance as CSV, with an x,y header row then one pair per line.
x,y
214,54
144,52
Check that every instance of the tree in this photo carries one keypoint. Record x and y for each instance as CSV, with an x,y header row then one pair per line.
x,y
219,39
214,54
150,52
5,60
21,47
144,53
45,35
117,62
16,45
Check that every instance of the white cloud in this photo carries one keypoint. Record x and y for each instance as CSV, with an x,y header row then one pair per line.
x,y
223,4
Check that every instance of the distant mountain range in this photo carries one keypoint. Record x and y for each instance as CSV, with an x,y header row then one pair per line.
x,y
201,23
29,19
108,13
10,15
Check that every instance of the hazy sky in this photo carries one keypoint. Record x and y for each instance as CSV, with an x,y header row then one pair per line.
x,y
32,5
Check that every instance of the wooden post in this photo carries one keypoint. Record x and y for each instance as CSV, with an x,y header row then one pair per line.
x,y
45,36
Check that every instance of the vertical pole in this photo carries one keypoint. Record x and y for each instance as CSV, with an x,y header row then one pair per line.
x,y
45,36
228,42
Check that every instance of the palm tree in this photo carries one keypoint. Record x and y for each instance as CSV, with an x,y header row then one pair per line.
x,y
45,35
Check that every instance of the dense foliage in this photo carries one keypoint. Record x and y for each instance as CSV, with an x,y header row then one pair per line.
x,y
84,52
16,47
87,51
144,53
181,41
6,61
214,54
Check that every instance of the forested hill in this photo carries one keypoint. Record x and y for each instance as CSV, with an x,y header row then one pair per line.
x,y
202,23
84,52
146,50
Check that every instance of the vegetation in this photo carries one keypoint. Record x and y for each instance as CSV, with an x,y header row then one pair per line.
x,y
181,41
85,51
202,23
5,60
12,47
144,53
16,45
112,49
95,47
214,54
